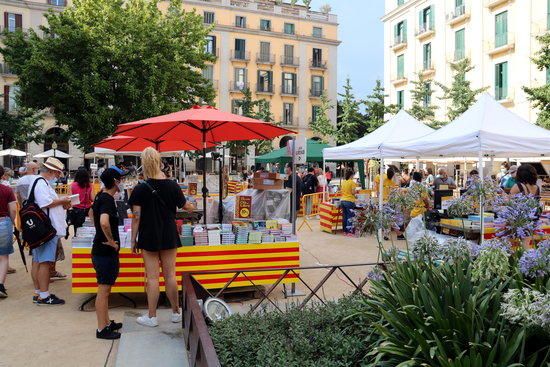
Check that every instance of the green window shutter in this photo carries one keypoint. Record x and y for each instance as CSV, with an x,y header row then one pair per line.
x,y
432,17
405,30
504,80
459,45
400,66
497,82
547,75
459,3
547,14
501,29
395,30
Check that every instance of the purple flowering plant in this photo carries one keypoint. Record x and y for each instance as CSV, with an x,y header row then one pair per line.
x,y
535,263
517,217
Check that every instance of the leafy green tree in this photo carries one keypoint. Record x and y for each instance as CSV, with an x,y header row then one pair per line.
x,y
104,62
376,109
540,96
351,120
20,127
460,93
322,125
421,94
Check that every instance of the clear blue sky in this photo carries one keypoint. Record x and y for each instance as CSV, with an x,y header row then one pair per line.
x,y
360,55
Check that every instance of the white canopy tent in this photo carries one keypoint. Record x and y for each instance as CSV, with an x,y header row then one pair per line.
x,y
12,153
53,153
401,126
487,129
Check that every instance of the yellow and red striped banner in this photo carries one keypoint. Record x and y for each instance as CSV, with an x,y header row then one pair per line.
x,y
131,278
330,217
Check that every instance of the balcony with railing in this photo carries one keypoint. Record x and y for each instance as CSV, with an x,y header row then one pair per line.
x,y
238,55
428,69
266,59
274,7
425,31
290,61
264,89
6,70
459,15
292,121
399,42
289,90
238,86
317,64
316,93
503,44
213,52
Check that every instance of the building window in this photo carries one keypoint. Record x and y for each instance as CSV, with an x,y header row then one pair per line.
x,y
240,78
265,52
208,17
317,32
547,75
10,94
289,83
501,81
265,24
547,14
289,28
236,106
240,49
210,47
289,55
315,113
400,66
460,8
427,101
460,44
240,21
317,85
57,2
208,72
427,56
400,2
400,98
501,29
265,81
13,21
400,32
317,60
288,113
426,19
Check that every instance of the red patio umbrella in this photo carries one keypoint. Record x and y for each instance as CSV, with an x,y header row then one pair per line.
x,y
121,143
204,124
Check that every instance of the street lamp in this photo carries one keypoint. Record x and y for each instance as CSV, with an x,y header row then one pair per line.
x,y
54,147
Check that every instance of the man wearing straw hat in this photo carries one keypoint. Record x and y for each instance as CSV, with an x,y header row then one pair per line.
x,y
46,198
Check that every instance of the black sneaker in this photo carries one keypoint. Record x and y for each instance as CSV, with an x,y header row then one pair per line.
x,y
3,292
107,333
52,300
115,326
401,237
34,299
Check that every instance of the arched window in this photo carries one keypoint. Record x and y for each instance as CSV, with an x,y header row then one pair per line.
x,y
284,140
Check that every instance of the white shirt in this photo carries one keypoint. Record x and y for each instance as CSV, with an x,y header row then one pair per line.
x,y
24,184
44,195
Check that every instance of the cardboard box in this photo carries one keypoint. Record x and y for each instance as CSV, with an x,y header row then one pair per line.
x,y
267,175
268,184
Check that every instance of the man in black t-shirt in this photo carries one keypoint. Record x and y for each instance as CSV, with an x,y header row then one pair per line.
x,y
105,250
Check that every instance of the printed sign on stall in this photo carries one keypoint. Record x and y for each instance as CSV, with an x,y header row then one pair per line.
x,y
243,207
192,189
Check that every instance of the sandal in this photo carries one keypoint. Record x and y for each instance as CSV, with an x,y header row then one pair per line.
x,y
58,275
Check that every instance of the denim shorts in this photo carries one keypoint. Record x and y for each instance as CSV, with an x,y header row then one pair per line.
x,y
46,252
6,236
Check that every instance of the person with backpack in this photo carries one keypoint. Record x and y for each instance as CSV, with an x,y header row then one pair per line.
x,y
81,186
310,183
155,234
8,206
50,227
105,249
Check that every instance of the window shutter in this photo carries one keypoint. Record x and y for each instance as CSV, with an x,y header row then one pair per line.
x,y
405,30
214,45
6,19
497,82
322,84
504,80
6,97
18,21
505,27
432,17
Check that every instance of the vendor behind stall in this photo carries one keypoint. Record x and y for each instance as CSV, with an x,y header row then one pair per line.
x,y
443,179
422,204
388,183
347,202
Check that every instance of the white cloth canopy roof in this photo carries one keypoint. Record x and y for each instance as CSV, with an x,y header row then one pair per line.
x,y
487,127
12,152
53,153
401,126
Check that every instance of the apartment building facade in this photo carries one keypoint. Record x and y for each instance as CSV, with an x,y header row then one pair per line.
x,y
285,54
498,36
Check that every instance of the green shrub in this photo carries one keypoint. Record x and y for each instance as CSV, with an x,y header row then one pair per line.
x,y
439,316
317,336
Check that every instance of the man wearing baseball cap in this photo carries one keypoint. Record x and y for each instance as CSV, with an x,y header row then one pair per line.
x,y
105,250
45,255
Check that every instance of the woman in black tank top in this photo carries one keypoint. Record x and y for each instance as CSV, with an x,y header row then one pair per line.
x,y
526,182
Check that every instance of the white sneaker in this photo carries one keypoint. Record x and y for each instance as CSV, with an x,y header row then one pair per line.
x,y
145,320
176,317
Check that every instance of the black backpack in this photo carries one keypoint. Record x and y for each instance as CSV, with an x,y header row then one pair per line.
x,y
36,226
